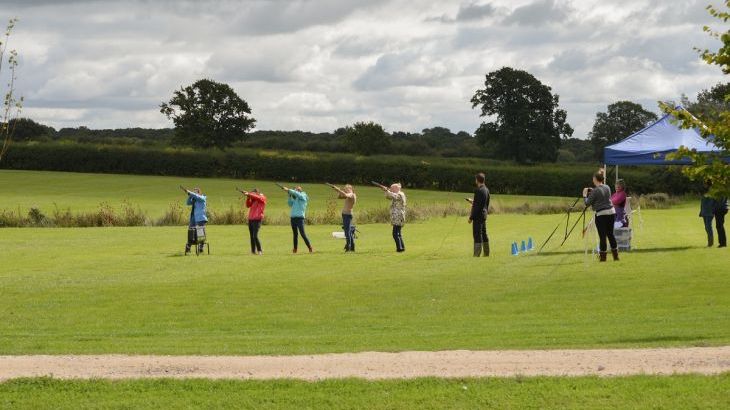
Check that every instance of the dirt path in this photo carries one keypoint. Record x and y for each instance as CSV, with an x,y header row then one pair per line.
x,y
375,365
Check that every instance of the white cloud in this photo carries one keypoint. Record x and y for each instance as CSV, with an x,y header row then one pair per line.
x,y
320,64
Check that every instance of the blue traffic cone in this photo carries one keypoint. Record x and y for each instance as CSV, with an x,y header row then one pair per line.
x,y
530,246
523,247
515,251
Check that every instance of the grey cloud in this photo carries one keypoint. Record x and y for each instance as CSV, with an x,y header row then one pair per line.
x,y
473,11
538,13
402,69
467,12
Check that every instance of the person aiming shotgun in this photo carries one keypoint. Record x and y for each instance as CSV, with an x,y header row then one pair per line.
x,y
297,201
478,216
348,194
198,213
256,203
397,212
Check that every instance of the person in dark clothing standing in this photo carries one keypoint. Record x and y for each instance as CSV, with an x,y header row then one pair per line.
x,y
478,216
720,210
707,213
600,199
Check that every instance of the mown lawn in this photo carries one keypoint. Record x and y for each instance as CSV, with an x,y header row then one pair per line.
x,y
154,194
638,392
129,290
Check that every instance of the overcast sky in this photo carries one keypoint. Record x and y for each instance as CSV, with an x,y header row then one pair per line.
x,y
320,64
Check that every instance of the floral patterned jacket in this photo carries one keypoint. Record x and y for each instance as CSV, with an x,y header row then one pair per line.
x,y
397,207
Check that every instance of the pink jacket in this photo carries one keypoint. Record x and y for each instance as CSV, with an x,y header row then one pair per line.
x,y
257,203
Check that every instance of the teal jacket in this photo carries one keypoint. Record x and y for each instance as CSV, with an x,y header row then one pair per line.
x,y
298,203
198,212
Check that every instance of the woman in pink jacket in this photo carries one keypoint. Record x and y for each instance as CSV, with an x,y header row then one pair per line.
x,y
256,202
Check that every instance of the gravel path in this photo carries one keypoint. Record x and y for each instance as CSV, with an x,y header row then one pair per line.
x,y
376,365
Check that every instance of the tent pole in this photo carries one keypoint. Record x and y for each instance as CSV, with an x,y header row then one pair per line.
x,y
617,174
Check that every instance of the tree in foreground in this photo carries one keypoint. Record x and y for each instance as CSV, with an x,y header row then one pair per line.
x,y
622,119
11,104
716,127
366,138
528,123
208,114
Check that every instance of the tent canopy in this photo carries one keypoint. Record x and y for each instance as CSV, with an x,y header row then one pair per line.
x,y
651,145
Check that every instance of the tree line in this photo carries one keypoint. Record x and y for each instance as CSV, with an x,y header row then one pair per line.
x,y
525,124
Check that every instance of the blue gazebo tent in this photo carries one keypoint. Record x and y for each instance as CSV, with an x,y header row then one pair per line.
x,y
651,145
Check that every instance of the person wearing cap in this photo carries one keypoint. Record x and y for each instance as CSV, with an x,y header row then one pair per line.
x,y
297,200
397,213
256,203
348,194
198,212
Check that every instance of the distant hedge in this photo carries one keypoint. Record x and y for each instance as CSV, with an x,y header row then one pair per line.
x,y
443,174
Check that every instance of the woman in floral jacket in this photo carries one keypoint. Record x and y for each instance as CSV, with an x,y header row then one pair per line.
x,y
397,213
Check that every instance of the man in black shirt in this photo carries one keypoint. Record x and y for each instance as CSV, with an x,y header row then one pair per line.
x,y
478,216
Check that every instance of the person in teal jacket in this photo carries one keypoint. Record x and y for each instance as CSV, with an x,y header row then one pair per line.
x,y
297,201
198,212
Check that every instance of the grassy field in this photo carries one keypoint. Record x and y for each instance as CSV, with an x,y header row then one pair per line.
x,y
154,194
517,393
129,290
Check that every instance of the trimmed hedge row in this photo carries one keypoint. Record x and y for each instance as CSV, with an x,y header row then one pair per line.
x,y
544,179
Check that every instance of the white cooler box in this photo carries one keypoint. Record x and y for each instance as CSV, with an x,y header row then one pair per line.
x,y
623,238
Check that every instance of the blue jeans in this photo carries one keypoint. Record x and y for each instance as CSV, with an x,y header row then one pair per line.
x,y
347,227
708,228
398,238
297,227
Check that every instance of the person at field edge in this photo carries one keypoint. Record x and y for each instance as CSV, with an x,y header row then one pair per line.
x,y
297,201
256,203
599,198
478,216
720,210
397,213
618,200
198,213
348,194
707,213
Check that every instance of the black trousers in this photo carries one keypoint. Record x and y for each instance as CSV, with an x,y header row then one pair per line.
x,y
297,227
720,226
253,232
398,238
604,226
479,230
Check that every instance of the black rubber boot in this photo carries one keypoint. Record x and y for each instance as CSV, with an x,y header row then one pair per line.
x,y
477,250
602,256
486,249
614,253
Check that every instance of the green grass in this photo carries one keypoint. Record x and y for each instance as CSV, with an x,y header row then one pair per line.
x,y
154,194
638,392
129,290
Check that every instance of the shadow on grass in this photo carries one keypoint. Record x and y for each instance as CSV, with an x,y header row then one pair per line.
x,y
640,250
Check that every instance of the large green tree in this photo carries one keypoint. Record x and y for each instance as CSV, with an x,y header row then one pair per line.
x,y
716,125
528,123
709,102
208,114
622,119
366,138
